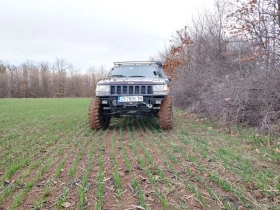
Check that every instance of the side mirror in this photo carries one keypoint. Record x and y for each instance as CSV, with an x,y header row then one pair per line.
x,y
169,78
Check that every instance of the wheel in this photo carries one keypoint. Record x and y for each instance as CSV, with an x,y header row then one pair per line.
x,y
96,116
165,114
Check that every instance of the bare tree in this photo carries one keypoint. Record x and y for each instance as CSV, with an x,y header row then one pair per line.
x,y
46,86
257,23
3,81
60,67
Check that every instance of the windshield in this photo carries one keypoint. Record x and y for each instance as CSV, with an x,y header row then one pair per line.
x,y
134,71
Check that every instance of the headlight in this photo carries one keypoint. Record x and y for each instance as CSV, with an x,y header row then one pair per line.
x,y
102,90
160,89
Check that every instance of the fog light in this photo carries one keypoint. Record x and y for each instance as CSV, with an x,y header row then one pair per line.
x,y
104,102
158,102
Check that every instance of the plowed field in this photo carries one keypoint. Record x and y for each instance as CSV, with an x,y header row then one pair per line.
x,y
51,159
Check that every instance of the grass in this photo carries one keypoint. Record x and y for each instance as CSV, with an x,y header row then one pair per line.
x,y
135,184
46,146
116,175
85,185
100,176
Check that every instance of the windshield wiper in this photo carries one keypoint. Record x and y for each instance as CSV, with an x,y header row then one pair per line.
x,y
117,75
136,76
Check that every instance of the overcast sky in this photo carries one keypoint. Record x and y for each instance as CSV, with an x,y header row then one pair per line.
x,y
90,32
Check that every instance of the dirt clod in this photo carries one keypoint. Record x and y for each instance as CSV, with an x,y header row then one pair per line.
x,y
66,204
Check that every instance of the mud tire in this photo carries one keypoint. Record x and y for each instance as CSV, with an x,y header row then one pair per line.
x,y
96,117
165,114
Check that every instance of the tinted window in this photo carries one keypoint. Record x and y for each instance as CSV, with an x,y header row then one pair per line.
x,y
134,71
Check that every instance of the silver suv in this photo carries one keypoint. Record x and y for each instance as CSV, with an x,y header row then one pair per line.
x,y
137,88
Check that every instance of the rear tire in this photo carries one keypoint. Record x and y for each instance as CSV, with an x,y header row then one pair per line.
x,y
165,114
96,117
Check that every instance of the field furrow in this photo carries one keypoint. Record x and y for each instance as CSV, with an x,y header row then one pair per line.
x,y
25,180
216,189
109,199
58,184
82,180
14,171
132,193
33,181
181,190
141,186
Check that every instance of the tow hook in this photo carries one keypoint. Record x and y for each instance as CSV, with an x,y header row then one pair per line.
x,y
149,106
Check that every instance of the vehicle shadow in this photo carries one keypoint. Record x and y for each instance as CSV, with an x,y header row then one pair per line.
x,y
127,122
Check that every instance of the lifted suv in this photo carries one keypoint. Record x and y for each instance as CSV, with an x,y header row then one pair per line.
x,y
132,88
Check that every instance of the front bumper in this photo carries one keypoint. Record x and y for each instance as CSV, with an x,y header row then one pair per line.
x,y
149,106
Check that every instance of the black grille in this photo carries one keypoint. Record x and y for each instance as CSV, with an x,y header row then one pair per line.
x,y
131,89
143,89
113,89
119,90
124,89
136,89
150,90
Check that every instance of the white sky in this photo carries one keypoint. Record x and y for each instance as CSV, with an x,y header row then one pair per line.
x,y
90,32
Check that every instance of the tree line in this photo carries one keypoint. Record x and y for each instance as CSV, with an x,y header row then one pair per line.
x,y
46,80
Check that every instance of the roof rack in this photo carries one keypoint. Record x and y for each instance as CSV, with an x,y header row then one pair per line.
x,y
138,63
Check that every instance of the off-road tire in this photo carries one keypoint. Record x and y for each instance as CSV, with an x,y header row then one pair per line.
x,y
165,114
96,117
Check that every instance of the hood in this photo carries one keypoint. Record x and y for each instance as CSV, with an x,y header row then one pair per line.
x,y
132,81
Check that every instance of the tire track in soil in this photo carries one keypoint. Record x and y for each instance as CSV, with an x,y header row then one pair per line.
x,y
178,191
151,199
8,201
179,167
49,175
109,200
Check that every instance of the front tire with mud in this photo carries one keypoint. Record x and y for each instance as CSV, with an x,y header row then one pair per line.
x,y
165,114
96,116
